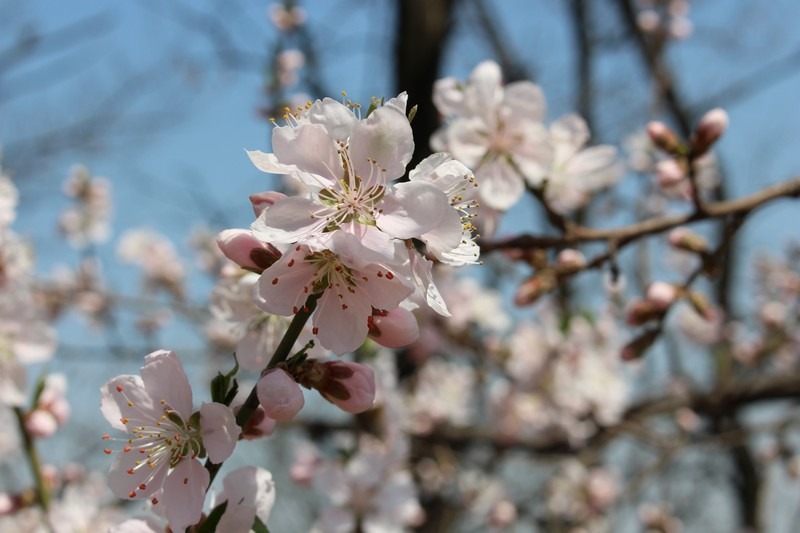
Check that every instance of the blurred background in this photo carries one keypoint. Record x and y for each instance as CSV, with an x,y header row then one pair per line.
x,y
162,98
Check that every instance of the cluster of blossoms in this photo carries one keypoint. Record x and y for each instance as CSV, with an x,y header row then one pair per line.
x,y
498,132
358,242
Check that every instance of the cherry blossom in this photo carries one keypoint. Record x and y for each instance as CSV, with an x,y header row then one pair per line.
x,y
166,438
348,283
495,130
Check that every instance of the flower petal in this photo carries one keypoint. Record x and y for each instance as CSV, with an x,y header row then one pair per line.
x,y
219,430
185,493
290,219
311,149
164,379
385,137
412,209
250,492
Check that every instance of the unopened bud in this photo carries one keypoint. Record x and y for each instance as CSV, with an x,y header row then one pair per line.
x,y
570,260
664,138
639,312
710,128
350,386
279,395
662,294
394,328
258,425
701,304
534,287
683,238
264,200
669,173
242,248
638,346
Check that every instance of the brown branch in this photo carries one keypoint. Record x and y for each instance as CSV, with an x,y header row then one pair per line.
x,y
626,234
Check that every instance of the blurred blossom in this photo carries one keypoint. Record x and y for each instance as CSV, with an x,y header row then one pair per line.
x,y
286,19
156,256
443,393
86,222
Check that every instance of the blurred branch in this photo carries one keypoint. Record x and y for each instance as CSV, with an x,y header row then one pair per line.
x,y
623,235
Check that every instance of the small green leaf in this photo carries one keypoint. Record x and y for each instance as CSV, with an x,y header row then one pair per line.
x,y
412,114
259,526
210,525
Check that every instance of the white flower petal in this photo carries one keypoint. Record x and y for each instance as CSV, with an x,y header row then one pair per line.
x,y
164,379
413,209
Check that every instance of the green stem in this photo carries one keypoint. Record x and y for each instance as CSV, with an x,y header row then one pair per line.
x,y
42,492
282,352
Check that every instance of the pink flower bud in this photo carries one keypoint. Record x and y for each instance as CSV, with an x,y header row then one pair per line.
x,y
351,386
710,128
263,200
662,294
534,287
639,312
394,328
40,424
664,138
570,259
258,425
242,248
683,238
279,395
669,173
639,345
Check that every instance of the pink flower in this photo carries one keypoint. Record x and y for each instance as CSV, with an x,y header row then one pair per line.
x,y
279,395
495,130
165,437
349,285
348,165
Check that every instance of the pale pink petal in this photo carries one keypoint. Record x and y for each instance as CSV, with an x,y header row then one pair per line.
x,y
421,268
571,131
219,430
381,288
185,493
413,209
338,120
309,148
340,321
137,525
525,101
384,137
291,219
448,96
595,167
446,237
126,478
164,379
281,287
279,395
264,200
250,492
468,140
115,395
500,185
269,163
